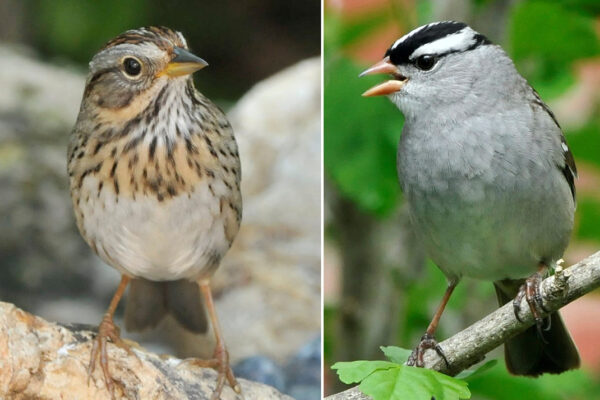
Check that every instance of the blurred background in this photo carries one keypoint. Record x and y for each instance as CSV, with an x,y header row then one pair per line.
x,y
268,287
245,41
379,287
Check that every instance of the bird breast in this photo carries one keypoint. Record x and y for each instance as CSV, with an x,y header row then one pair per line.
x,y
485,207
157,209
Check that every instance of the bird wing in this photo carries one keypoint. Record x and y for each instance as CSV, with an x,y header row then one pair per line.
x,y
568,168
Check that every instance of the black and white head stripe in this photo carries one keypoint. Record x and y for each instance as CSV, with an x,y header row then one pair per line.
x,y
437,39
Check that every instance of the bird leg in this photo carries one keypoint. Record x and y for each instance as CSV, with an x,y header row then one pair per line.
x,y
428,340
530,290
220,360
108,330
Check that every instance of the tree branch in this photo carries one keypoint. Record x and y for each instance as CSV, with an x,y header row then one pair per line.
x,y
469,346
40,359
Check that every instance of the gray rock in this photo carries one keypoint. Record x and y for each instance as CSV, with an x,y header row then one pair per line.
x,y
261,369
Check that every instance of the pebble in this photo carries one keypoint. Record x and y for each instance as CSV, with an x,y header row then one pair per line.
x,y
299,378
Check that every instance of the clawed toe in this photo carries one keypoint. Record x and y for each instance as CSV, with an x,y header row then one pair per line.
x,y
427,342
220,363
531,291
107,330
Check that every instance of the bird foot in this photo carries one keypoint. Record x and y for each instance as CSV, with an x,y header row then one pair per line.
x,y
530,290
107,330
220,363
427,342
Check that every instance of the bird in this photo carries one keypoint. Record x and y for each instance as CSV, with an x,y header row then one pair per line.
x,y
488,178
154,176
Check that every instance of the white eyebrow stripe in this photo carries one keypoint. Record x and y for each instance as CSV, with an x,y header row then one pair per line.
x,y
412,33
457,41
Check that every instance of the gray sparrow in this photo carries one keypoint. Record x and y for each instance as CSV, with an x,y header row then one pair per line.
x,y
487,175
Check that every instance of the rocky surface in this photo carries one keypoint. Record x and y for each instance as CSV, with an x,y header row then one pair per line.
x,y
268,287
43,360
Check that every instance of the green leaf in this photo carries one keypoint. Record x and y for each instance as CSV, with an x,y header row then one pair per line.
x,y
498,384
403,382
396,354
546,37
361,140
356,371
471,373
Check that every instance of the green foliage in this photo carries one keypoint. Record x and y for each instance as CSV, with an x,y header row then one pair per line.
x,y
589,218
547,36
498,384
361,140
80,28
386,380
585,142
396,354
468,374
585,145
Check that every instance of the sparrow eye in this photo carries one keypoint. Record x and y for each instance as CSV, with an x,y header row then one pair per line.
x,y
425,62
132,66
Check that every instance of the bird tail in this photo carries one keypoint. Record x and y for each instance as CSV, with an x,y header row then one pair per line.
x,y
148,302
527,353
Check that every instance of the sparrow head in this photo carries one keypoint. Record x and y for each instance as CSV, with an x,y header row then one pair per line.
x,y
136,65
439,62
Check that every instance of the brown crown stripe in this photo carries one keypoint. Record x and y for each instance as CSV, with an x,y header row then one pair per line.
x,y
159,35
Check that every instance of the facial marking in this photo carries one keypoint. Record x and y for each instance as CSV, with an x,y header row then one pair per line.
x,y
438,39
456,42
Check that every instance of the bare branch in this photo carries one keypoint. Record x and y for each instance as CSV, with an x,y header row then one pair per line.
x,y
470,345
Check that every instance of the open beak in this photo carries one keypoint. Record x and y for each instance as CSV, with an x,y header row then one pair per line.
x,y
184,63
388,87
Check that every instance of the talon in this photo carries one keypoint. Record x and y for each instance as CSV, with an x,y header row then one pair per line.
x,y
427,342
438,349
220,360
531,290
517,303
220,363
108,330
548,324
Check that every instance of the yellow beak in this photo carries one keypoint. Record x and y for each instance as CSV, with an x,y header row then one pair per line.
x,y
184,63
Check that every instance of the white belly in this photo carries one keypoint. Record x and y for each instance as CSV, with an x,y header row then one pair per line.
x,y
181,237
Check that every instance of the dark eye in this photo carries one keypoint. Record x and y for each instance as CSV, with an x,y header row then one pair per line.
x,y
425,62
132,66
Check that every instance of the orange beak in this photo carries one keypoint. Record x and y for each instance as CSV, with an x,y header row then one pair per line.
x,y
388,87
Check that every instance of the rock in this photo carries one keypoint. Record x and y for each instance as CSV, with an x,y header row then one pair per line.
x,y
300,378
43,360
261,369
303,372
